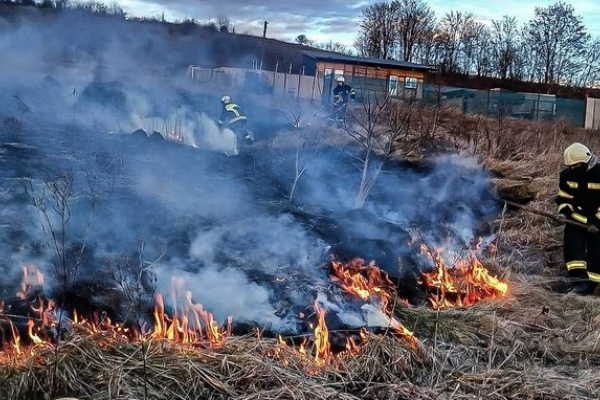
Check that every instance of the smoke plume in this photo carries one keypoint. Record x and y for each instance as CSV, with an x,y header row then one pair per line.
x,y
106,140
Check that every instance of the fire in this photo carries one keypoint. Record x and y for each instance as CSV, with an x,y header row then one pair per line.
x,y
322,344
369,282
318,352
464,283
186,322
375,284
190,324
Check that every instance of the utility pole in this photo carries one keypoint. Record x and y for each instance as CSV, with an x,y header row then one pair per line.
x,y
265,29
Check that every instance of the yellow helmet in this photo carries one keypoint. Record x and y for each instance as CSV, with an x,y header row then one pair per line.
x,y
577,153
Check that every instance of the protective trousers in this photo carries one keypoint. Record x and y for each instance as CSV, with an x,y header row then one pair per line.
x,y
582,253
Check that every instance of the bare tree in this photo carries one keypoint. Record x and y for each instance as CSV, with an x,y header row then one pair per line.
x,y
223,24
336,47
377,35
303,40
469,42
505,37
376,127
482,55
452,31
415,19
558,38
591,64
426,49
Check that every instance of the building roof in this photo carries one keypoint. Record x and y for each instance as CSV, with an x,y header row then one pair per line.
x,y
338,57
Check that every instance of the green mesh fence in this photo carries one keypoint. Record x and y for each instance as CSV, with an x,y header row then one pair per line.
x,y
530,106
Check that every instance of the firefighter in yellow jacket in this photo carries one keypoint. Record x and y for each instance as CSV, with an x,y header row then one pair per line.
x,y
579,200
233,118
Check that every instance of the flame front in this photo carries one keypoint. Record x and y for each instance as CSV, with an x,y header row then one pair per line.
x,y
462,284
369,282
375,283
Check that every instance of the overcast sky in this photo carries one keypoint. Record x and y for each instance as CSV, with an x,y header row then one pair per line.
x,y
336,20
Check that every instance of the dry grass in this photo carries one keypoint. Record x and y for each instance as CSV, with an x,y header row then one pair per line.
x,y
534,344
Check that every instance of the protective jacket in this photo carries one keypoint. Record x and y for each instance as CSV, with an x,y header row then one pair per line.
x,y
579,195
343,93
231,114
579,200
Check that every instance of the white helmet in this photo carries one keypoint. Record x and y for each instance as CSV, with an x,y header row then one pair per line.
x,y
341,79
578,153
226,99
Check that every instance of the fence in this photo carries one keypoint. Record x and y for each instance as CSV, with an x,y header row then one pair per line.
x,y
294,86
278,84
592,114
495,102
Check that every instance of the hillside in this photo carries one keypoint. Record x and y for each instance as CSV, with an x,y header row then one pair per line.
x,y
174,45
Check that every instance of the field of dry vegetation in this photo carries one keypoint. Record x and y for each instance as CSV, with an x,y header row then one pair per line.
x,y
534,344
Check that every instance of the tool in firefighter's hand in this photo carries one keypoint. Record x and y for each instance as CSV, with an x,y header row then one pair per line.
x,y
590,228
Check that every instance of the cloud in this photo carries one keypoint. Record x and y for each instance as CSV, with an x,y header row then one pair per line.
x,y
336,20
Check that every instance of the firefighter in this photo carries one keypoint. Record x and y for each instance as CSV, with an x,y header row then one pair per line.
x,y
579,200
341,95
233,118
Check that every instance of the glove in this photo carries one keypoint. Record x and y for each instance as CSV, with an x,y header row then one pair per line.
x,y
593,229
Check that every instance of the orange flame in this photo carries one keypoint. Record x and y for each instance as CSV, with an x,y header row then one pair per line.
x,y
375,285
321,338
190,322
462,284
320,353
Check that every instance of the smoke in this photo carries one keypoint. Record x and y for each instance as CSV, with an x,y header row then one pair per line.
x,y
208,135
73,91
225,293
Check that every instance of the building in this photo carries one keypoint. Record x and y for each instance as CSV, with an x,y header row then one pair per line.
x,y
397,78
317,77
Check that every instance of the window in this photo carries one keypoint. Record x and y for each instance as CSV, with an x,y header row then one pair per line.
x,y
393,86
327,71
410,83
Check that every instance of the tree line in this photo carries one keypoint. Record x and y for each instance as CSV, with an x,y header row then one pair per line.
x,y
554,47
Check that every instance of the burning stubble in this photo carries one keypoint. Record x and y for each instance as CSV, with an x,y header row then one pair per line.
x,y
168,216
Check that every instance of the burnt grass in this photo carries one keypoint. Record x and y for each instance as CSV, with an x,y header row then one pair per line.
x,y
536,344
104,169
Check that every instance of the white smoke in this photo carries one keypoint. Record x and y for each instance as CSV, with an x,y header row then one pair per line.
x,y
225,293
214,138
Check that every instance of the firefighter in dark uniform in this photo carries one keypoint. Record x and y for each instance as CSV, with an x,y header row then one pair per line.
x,y
342,93
579,200
233,118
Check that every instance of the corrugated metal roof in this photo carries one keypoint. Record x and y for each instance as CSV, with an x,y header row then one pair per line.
x,y
330,56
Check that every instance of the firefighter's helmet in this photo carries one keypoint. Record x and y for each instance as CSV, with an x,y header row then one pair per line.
x,y
340,79
577,153
226,99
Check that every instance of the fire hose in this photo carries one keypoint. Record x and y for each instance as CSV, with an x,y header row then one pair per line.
x,y
590,228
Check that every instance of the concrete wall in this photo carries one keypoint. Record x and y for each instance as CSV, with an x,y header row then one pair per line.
x,y
592,113
278,84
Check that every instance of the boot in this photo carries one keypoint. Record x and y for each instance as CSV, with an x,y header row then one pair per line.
x,y
585,288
